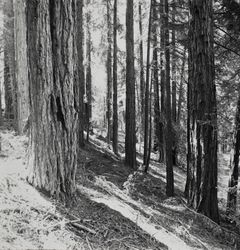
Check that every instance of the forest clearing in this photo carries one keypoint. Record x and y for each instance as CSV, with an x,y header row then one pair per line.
x,y
119,124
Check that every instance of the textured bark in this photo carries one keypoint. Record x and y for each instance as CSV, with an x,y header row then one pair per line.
x,y
130,136
168,128
233,182
9,63
115,81
81,74
51,29
203,116
146,99
109,73
180,98
21,66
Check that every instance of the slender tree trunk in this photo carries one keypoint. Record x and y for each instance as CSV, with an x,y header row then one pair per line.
x,y
142,81
109,74
174,81
51,29
88,110
162,145
81,73
115,83
130,136
157,113
180,98
146,117
203,110
233,182
168,129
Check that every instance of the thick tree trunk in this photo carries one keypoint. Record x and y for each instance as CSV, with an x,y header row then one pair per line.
x,y
81,74
115,83
203,109
233,182
109,73
130,136
168,128
21,69
51,29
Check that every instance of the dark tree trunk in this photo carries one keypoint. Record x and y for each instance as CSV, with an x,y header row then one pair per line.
x,y
81,73
174,59
146,99
157,121
203,122
233,182
109,73
51,29
115,87
130,136
162,156
168,128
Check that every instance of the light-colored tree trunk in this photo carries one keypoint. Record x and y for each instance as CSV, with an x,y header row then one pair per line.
x,y
51,29
21,67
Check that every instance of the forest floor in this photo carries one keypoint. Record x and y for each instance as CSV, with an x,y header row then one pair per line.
x,y
115,207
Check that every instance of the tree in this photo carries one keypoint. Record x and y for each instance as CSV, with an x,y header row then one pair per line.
x,y
203,111
115,81
146,98
81,73
130,136
88,110
233,182
51,47
109,73
168,128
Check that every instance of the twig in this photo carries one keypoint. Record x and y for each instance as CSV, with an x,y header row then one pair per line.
x,y
89,244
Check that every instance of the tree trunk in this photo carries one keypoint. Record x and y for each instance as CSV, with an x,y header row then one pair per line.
x,y
142,81
21,69
81,74
203,109
146,108
168,128
162,145
180,98
88,110
130,136
115,87
109,73
51,29
233,182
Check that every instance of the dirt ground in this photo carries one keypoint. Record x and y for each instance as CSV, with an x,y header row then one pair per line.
x,y
115,208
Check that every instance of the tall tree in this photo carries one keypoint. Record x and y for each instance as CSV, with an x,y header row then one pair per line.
x,y
130,136
51,47
203,112
233,182
81,73
115,81
88,109
109,72
146,98
168,128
